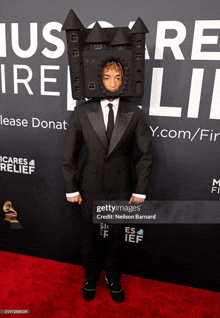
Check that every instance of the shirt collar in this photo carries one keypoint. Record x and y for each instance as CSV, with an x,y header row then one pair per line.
x,y
105,102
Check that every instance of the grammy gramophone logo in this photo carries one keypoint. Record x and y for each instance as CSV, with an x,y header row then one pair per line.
x,y
11,216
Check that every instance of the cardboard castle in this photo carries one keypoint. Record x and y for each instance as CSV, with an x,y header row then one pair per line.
x,y
89,49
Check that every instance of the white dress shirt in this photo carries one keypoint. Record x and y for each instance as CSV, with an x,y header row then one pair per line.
x,y
105,111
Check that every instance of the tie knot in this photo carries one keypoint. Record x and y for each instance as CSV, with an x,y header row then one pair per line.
x,y
110,106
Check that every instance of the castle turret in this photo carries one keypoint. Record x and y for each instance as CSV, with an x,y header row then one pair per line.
x,y
120,40
138,45
97,37
75,42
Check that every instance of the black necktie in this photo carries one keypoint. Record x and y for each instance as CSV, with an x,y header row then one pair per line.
x,y
110,125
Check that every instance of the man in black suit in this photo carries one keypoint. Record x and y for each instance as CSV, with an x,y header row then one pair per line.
x,y
116,166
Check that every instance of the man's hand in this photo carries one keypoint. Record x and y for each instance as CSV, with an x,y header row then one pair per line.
x,y
135,200
75,199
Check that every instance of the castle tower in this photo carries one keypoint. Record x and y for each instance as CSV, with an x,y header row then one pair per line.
x,y
75,41
120,40
97,38
138,56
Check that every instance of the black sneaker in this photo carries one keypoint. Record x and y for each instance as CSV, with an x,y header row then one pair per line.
x,y
89,290
116,291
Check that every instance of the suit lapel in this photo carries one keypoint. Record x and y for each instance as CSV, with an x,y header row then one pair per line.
x,y
122,121
96,119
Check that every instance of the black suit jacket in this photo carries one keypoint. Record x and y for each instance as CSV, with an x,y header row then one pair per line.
x,y
123,165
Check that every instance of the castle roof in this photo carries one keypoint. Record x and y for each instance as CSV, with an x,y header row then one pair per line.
x,y
120,38
139,27
97,35
72,22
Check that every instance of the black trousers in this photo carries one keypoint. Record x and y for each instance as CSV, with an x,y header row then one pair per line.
x,y
93,243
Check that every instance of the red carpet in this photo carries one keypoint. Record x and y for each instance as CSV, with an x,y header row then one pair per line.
x,y
53,289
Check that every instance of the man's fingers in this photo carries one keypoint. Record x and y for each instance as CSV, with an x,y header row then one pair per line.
x,y
135,200
75,199
131,199
80,199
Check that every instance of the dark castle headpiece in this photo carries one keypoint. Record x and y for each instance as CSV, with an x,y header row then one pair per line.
x,y
89,49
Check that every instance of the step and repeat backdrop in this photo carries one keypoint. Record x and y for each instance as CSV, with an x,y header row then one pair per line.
x,y
182,107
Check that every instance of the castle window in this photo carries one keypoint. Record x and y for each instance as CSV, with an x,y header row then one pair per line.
x,y
138,56
76,80
73,37
138,89
77,88
139,43
98,46
75,52
91,86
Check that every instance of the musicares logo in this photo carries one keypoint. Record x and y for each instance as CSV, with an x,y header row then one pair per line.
x,y
17,165
215,186
132,235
